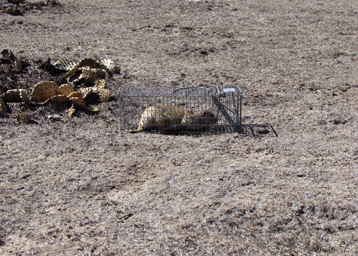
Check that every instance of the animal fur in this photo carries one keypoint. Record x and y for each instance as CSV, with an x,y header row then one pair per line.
x,y
164,118
198,120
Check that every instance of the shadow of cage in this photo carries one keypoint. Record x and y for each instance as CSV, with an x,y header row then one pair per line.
x,y
190,110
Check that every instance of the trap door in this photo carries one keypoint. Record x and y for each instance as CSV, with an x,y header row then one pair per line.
x,y
229,104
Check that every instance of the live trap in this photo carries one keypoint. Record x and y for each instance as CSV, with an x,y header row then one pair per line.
x,y
180,110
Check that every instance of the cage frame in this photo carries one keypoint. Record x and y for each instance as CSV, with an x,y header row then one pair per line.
x,y
217,97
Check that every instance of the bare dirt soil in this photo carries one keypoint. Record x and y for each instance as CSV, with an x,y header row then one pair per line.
x,y
81,186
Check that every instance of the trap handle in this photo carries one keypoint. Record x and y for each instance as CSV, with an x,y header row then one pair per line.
x,y
229,89
194,87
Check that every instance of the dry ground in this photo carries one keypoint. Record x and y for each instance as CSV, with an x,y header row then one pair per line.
x,y
81,186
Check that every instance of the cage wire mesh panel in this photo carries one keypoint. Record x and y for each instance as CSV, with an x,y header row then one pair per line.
x,y
180,110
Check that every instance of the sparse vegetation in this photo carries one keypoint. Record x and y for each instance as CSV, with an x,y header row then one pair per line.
x,y
81,186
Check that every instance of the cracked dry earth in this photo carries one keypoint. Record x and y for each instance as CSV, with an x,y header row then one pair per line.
x,y
81,186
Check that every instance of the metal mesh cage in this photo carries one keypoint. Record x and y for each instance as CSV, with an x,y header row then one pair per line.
x,y
188,110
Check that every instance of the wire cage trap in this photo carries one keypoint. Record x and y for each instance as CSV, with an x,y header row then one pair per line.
x,y
189,110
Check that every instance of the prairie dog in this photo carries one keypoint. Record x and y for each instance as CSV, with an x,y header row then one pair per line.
x,y
163,117
160,117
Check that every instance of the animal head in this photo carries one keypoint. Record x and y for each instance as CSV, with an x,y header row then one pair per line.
x,y
208,117
199,120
